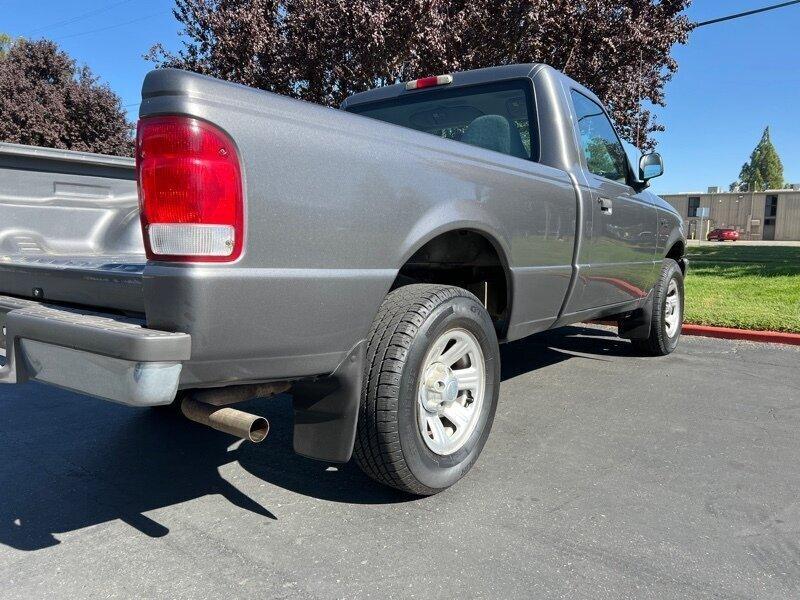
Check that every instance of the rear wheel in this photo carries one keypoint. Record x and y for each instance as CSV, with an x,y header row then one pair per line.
x,y
667,315
430,388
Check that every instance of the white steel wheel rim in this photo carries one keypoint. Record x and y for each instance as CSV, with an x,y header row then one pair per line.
x,y
672,309
451,389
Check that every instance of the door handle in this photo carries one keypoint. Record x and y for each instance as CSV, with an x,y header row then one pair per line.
x,y
606,206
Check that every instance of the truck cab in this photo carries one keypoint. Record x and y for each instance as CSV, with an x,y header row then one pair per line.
x,y
541,118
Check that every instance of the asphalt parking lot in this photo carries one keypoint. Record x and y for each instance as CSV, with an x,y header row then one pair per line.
x,y
607,475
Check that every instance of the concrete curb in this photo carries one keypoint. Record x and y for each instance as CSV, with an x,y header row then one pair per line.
x,y
729,333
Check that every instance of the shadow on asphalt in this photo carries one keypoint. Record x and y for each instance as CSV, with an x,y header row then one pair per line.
x,y
68,474
551,347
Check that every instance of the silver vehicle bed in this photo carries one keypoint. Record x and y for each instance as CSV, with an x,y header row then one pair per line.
x,y
69,228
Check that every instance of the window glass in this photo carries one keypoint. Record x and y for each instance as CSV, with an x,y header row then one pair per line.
x,y
604,153
495,116
771,207
694,204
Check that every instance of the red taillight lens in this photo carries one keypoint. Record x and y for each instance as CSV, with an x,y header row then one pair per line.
x,y
426,82
190,190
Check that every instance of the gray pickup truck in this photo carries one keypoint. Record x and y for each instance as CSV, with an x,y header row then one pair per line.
x,y
368,260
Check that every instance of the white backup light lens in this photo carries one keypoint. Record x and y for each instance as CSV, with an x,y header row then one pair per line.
x,y
186,239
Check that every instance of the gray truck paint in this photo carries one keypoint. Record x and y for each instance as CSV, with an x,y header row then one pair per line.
x,y
336,203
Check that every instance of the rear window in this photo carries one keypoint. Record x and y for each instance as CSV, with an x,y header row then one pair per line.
x,y
496,116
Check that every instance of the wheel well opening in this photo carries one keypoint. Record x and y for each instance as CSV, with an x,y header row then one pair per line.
x,y
466,259
676,253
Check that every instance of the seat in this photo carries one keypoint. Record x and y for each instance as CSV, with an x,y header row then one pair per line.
x,y
495,132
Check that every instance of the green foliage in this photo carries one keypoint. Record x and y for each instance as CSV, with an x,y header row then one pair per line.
x,y
765,170
47,99
750,287
5,43
323,51
743,253
599,158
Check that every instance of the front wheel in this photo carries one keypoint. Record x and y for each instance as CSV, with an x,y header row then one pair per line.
x,y
667,314
430,388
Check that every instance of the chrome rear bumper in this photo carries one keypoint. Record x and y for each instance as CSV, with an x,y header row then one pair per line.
x,y
110,357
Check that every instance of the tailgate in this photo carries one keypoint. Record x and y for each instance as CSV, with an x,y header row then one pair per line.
x,y
69,228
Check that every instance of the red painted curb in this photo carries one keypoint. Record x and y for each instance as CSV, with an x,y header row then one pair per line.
x,y
729,333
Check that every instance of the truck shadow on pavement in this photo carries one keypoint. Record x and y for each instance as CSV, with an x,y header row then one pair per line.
x,y
70,462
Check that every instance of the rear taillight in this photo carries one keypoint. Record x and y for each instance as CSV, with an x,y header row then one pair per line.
x,y
190,190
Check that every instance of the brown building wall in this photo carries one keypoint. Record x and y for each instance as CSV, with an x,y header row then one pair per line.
x,y
788,220
742,211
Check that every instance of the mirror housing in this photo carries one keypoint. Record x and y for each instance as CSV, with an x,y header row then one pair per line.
x,y
651,165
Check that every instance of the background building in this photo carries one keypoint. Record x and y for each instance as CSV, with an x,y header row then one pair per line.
x,y
767,215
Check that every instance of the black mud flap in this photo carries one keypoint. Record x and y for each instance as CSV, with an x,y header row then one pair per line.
x,y
636,326
326,410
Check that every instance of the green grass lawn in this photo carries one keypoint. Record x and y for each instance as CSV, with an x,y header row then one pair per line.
x,y
751,287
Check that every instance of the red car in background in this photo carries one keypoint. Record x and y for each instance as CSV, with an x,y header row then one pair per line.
x,y
723,235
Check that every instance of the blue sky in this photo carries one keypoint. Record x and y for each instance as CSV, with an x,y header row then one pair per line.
x,y
734,78
110,36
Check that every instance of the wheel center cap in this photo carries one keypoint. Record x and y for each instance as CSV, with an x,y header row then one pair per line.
x,y
441,387
451,390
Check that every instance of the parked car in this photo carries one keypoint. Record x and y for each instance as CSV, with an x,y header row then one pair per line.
x,y
368,259
723,235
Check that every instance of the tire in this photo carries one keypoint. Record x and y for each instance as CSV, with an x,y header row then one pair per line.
x,y
402,370
665,327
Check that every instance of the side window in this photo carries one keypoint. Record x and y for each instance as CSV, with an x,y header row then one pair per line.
x,y
604,153
494,116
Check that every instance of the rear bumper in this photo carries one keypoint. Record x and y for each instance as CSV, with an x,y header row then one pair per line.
x,y
106,356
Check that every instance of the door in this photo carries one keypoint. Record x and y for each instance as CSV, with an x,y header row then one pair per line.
x,y
617,261
769,229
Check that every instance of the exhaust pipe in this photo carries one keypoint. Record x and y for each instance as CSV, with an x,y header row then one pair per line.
x,y
229,420
239,393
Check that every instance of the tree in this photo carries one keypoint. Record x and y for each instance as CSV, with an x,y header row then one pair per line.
x,y
604,158
46,99
765,169
5,43
325,50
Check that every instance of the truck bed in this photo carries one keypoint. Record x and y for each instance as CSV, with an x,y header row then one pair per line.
x,y
69,228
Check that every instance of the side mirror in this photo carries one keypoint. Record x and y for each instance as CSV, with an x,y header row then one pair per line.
x,y
650,165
